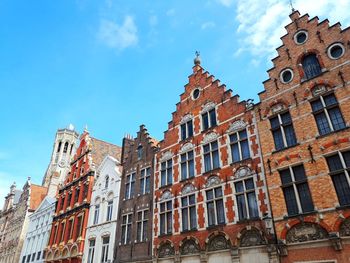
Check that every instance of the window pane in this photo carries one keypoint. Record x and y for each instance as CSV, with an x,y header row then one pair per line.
x,y
299,173
220,211
148,184
245,149
211,213
168,205
322,123
212,118
316,105
169,222
142,185
192,199
242,212
183,171
330,100
191,168
216,162
190,128
342,188
210,195
239,187
252,205
346,157
207,162
162,207
183,131
206,148
311,66
334,163
242,134
235,152
285,176
205,121
274,123
290,135
291,201
305,197
193,218
233,137
336,118
214,145
184,201
286,118
249,184
277,136
218,192
162,223
185,219
139,225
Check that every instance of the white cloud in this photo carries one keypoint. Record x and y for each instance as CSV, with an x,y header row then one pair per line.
x,y
207,25
261,23
226,3
118,36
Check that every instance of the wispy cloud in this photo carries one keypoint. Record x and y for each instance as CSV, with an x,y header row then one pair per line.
x,y
226,3
207,25
118,36
261,23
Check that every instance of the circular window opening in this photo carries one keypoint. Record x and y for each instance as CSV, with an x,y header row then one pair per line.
x,y
195,94
286,75
336,51
300,37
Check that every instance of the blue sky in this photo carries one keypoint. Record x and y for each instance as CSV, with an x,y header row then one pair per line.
x,y
114,65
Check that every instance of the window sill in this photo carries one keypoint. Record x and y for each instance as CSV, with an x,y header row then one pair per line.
x,y
212,171
323,70
216,226
165,186
186,140
286,148
332,132
187,179
165,235
244,221
342,207
189,231
300,215
210,128
239,162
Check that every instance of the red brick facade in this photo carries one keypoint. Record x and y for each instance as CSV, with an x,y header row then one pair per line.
x,y
313,224
205,241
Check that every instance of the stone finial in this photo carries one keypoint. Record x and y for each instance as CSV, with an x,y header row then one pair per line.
x,y
197,59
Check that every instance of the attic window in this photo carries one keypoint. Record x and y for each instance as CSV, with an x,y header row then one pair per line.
x,y
300,37
336,51
286,75
139,152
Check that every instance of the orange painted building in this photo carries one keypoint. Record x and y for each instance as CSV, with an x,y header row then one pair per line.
x,y
304,119
66,243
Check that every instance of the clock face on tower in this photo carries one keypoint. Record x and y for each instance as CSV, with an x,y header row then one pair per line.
x,y
61,164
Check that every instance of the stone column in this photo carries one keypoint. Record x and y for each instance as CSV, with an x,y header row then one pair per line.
x,y
235,255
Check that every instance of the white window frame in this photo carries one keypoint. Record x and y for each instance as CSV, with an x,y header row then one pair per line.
x,y
109,210
127,224
91,251
105,249
129,183
186,162
214,200
141,221
186,124
166,172
209,118
144,179
96,214
188,211
211,155
166,212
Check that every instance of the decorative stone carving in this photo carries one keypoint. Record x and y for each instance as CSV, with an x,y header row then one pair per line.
x,y
345,228
188,188
166,195
236,126
318,90
166,250
210,137
243,172
189,247
212,181
251,238
186,147
166,156
336,241
186,118
277,107
208,106
306,232
218,242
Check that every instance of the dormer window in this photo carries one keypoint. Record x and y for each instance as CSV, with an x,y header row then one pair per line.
x,y
311,66
187,130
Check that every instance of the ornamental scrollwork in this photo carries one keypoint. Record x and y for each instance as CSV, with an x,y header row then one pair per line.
x,y
186,118
243,172
189,247
212,181
218,242
166,250
318,90
186,147
208,106
188,188
166,195
236,126
345,228
251,238
210,137
166,156
306,232
277,108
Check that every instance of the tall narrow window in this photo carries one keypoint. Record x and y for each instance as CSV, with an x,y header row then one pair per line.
x,y
215,206
70,228
166,217
63,228
69,198
187,165
211,156
311,66
239,146
188,210
145,180
105,246
139,152
71,149
283,131
96,214
129,186
327,114
208,119
109,210
55,234
79,226
296,190
126,228
59,147
186,130
106,181
339,168
166,172
65,148
246,199
142,221
76,197
91,252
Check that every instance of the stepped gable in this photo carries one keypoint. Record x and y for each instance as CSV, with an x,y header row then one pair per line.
x,y
211,91
320,36
100,149
38,193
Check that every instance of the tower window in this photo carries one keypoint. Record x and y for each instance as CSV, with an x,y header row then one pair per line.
x,y
65,149
327,114
59,147
311,66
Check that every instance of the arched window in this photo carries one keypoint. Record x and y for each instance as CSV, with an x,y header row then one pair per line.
x,y
311,66
65,149
59,147
106,181
139,152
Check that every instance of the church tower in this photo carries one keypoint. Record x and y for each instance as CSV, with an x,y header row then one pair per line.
x,y
63,150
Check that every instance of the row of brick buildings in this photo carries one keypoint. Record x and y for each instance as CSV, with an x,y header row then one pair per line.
x,y
231,181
